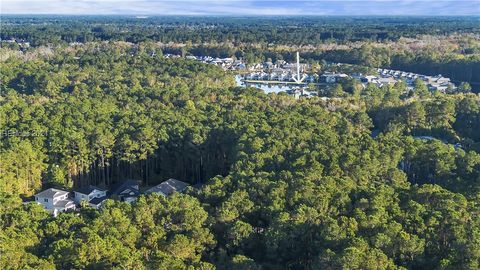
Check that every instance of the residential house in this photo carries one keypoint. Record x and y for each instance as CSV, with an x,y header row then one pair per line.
x,y
97,202
126,191
88,194
332,77
55,200
168,187
385,81
368,79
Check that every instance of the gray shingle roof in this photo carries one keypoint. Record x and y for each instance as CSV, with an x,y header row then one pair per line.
x,y
168,187
97,200
120,187
63,203
88,190
127,191
51,193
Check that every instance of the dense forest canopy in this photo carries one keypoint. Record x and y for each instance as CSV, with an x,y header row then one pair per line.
x,y
367,179
275,29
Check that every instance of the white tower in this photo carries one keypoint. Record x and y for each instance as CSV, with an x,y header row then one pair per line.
x,y
298,79
298,65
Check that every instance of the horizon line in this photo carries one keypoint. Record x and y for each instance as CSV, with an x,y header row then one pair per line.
x,y
235,15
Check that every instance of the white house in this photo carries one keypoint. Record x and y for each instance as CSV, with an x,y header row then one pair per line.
x,y
168,187
88,194
332,77
55,200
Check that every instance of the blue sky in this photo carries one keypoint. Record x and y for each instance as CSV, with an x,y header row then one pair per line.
x,y
235,7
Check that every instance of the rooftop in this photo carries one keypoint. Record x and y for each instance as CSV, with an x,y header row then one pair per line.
x,y
168,187
97,200
119,187
88,190
51,193
63,203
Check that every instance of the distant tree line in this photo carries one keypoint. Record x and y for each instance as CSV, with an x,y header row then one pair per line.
x,y
42,30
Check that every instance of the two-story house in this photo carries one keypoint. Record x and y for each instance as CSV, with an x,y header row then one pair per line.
x,y
92,195
55,200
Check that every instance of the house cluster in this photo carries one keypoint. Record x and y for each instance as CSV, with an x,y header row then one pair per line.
x,y
57,200
226,63
280,71
332,77
279,76
389,76
283,71
279,66
21,42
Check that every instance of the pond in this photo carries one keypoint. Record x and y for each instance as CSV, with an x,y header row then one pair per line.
x,y
267,88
